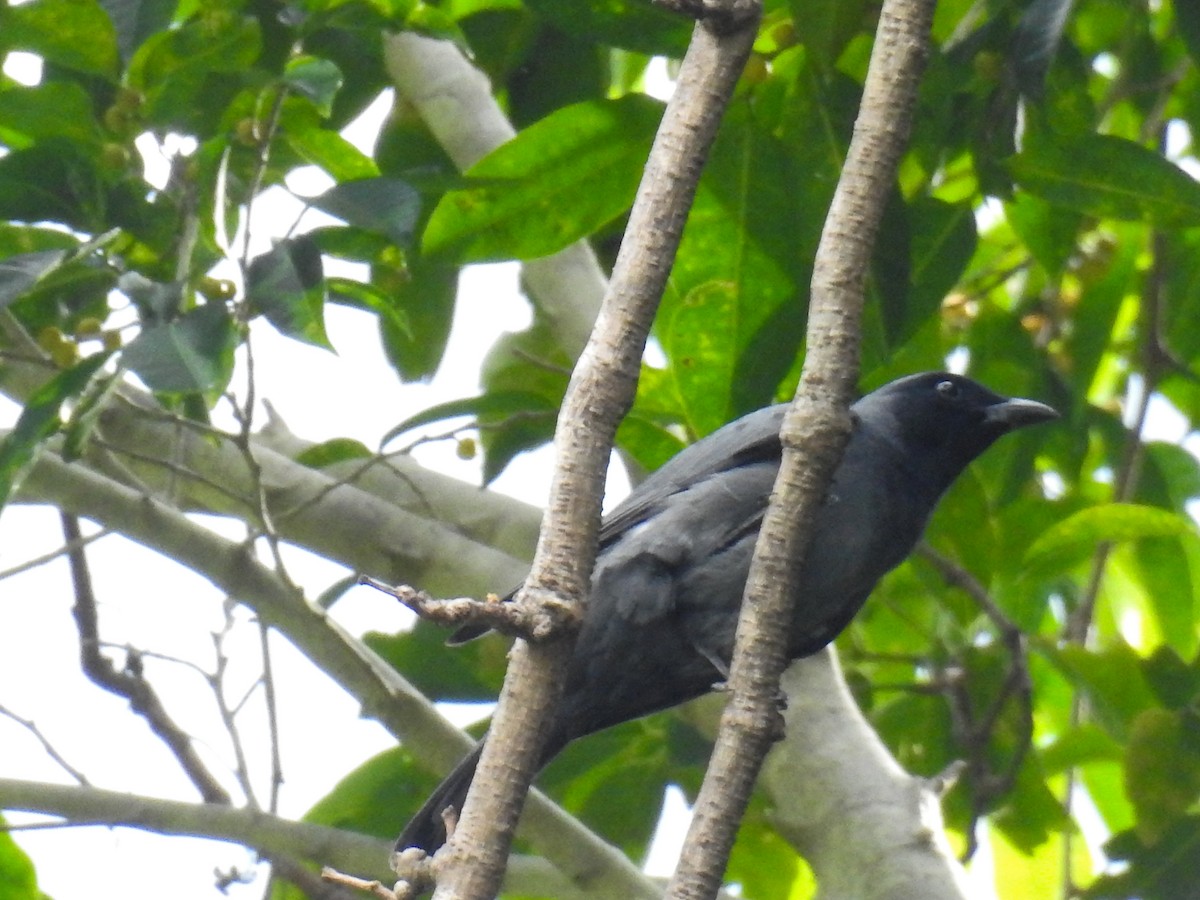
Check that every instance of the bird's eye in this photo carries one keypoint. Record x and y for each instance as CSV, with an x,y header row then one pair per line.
x,y
947,389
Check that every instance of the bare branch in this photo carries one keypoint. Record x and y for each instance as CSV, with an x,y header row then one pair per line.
x,y
31,726
130,683
530,621
814,434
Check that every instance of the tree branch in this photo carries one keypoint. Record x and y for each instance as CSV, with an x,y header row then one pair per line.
x,y
271,836
869,829
129,683
814,434
383,693
600,392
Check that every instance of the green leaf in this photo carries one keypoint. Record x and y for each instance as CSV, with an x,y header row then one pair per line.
x,y
375,797
190,74
697,340
650,443
58,109
332,452
286,284
385,205
743,267
1162,770
595,778
18,879
1074,539
1032,813
1113,680
466,673
193,354
557,181
619,23
828,27
489,409
76,35
1187,20
40,419
762,862
1081,745
421,300
529,363
317,79
1169,568
1108,176
1048,231
136,20
323,147
926,247
55,180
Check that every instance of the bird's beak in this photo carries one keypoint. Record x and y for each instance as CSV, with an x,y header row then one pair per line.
x,y
1017,413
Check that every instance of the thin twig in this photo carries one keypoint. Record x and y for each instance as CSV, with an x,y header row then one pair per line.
x,y
45,558
30,726
130,682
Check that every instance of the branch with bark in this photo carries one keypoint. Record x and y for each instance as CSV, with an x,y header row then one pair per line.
x,y
601,391
814,434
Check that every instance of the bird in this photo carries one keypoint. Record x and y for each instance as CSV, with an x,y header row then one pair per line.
x,y
673,557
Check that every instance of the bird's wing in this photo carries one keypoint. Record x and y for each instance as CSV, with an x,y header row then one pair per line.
x,y
751,439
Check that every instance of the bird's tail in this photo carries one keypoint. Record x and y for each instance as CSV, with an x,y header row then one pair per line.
x,y
426,829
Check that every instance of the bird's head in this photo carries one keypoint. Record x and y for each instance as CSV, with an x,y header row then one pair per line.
x,y
944,421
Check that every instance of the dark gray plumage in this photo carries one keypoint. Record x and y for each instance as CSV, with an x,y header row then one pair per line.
x,y
673,557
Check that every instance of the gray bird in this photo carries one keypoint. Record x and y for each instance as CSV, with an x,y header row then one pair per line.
x,y
674,556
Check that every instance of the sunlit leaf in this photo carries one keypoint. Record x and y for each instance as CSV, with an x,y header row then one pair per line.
x,y
555,182
1104,175
1075,538
18,880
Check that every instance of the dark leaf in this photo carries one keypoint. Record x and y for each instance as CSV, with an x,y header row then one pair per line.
x,y
384,205
136,20
619,23
286,284
493,408
317,79
1161,870
420,311
55,180
193,354
467,673
1162,772
376,797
